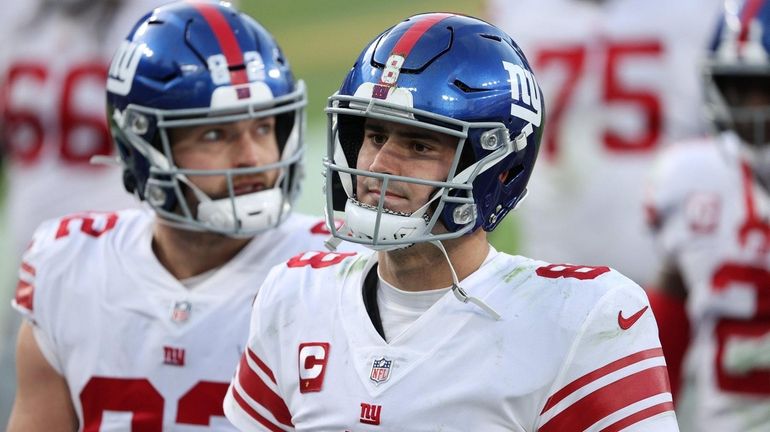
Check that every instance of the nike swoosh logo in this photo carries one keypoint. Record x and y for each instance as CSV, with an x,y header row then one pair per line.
x,y
626,323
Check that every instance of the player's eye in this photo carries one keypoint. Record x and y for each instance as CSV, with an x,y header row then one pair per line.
x,y
212,135
264,129
377,138
420,147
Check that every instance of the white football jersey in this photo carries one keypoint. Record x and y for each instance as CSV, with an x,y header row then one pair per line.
x,y
576,349
711,219
53,70
138,349
621,78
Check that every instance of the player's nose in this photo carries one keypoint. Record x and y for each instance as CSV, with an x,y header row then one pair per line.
x,y
388,159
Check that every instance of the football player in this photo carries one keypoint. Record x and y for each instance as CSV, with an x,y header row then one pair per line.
x,y
433,136
135,319
709,206
53,66
621,80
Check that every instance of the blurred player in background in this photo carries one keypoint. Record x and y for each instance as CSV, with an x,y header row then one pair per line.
x,y
135,319
53,65
709,206
54,69
620,79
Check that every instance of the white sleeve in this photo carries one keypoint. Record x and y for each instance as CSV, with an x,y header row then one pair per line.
x,y
667,193
253,401
34,292
614,376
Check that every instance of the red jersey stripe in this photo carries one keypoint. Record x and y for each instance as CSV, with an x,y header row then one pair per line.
x,y
748,190
253,413
639,416
256,389
408,40
753,222
28,268
24,295
609,399
226,39
598,373
261,365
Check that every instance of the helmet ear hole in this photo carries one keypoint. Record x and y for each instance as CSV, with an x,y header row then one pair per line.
x,y
512,174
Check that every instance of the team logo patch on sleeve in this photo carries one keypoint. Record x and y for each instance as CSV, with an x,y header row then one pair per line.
x,y
380,370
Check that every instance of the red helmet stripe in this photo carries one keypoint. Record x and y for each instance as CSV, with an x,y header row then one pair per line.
x,y
402,48
749,12
226,39
415,32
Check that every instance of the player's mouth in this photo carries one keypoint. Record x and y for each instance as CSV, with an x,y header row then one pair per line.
x,y
247,188
393,201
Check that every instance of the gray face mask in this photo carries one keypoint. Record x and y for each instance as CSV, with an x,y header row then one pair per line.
x,y
759,159
751,125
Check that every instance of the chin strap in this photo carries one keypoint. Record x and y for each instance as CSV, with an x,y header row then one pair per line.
x,y
105,160
459,292
332,242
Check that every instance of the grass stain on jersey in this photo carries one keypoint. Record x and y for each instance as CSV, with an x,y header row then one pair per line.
x,y
351,267
512,274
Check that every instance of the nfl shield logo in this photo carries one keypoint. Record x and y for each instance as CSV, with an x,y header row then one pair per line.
x,y
380,370
181,311
243,92
380,91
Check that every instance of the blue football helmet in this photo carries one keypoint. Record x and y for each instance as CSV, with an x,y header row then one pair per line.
x,y
738,69
196,63
446,73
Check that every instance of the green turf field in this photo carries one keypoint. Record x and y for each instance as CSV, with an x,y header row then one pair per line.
x,y
322,39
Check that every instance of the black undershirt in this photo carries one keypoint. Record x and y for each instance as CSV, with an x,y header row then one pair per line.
x,y
369,291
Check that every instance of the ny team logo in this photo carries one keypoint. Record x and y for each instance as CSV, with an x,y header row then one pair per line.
x,y
703,210
370,414
173,356
526,97
123,67
380,370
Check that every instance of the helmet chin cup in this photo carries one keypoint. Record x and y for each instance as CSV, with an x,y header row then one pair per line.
x,y
394,232
245,213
